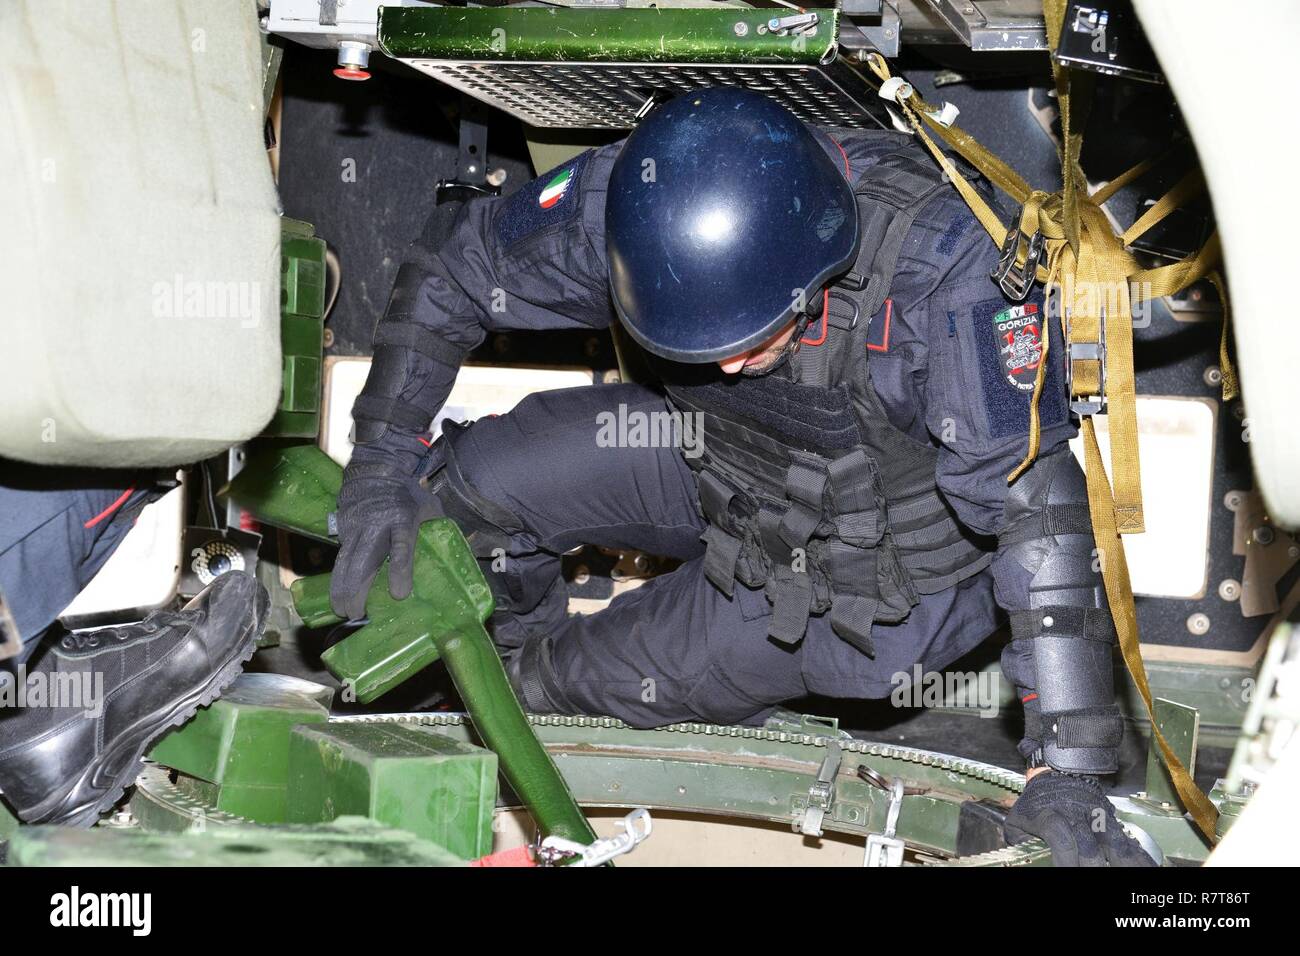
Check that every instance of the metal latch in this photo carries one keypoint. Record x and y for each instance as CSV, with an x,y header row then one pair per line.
x,y
821,794
1017,281
557,851
1086,352
885,849
795,23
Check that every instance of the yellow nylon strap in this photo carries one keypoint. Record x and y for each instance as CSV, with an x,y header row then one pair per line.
x,y
1227,370
1102,296
965,145
983,212
1082,247
1104,194
1166,280
1119,592
1190,185
1074,115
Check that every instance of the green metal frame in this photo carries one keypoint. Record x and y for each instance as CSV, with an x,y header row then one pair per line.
x,y
598,69
760,774
655,35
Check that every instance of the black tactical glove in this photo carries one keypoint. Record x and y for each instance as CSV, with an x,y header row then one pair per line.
x,y
1073,817
378,518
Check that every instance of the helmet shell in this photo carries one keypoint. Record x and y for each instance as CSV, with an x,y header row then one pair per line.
x,y
724,215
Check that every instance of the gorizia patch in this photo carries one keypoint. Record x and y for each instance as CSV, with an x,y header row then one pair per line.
x,y
1020,344
1005,373
549,200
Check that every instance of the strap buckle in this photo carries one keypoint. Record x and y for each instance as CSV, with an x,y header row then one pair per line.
x,y
1017,281
821,794
886,849
1086,352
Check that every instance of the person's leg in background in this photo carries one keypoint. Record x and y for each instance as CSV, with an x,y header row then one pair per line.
x,y
58,526
79,710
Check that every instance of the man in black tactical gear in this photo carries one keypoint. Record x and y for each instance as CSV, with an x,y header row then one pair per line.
x,y
848,390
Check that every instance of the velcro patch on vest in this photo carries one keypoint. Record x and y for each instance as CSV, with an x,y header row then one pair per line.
x,y
1010,343
958,226
549,200
1020,344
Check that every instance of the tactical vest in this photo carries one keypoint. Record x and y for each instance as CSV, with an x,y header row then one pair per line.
x,y
809,491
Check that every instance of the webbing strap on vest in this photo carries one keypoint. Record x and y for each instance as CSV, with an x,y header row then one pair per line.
x,y
811,493
1066,240
889,199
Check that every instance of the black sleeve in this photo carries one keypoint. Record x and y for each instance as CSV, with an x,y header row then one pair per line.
x,y
532,260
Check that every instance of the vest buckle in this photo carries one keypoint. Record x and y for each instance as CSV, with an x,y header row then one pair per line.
x,y
1017,281
1083,405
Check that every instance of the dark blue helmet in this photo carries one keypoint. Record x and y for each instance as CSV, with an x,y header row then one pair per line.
x,y
724,216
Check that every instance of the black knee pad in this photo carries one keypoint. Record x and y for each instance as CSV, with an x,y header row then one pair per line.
x,y
532,674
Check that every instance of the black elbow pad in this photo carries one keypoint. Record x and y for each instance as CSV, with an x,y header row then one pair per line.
x,y
1068,624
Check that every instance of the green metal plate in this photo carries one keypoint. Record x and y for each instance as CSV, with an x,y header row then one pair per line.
x,y
1179,725
294,488
594,69
302,329
346,842
654,35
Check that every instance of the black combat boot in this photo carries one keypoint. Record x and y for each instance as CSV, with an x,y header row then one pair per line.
x,y
76,722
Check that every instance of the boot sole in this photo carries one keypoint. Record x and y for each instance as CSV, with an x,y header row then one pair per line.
x,y
70,812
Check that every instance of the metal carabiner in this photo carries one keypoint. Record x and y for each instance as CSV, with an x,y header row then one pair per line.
x,y
637,825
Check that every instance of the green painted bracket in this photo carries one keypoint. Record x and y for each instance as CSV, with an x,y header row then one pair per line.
x,y
1180,726
240,743
566,34
295,488
302,330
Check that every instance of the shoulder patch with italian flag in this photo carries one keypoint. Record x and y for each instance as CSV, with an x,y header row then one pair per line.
x,y
554,191
548,200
